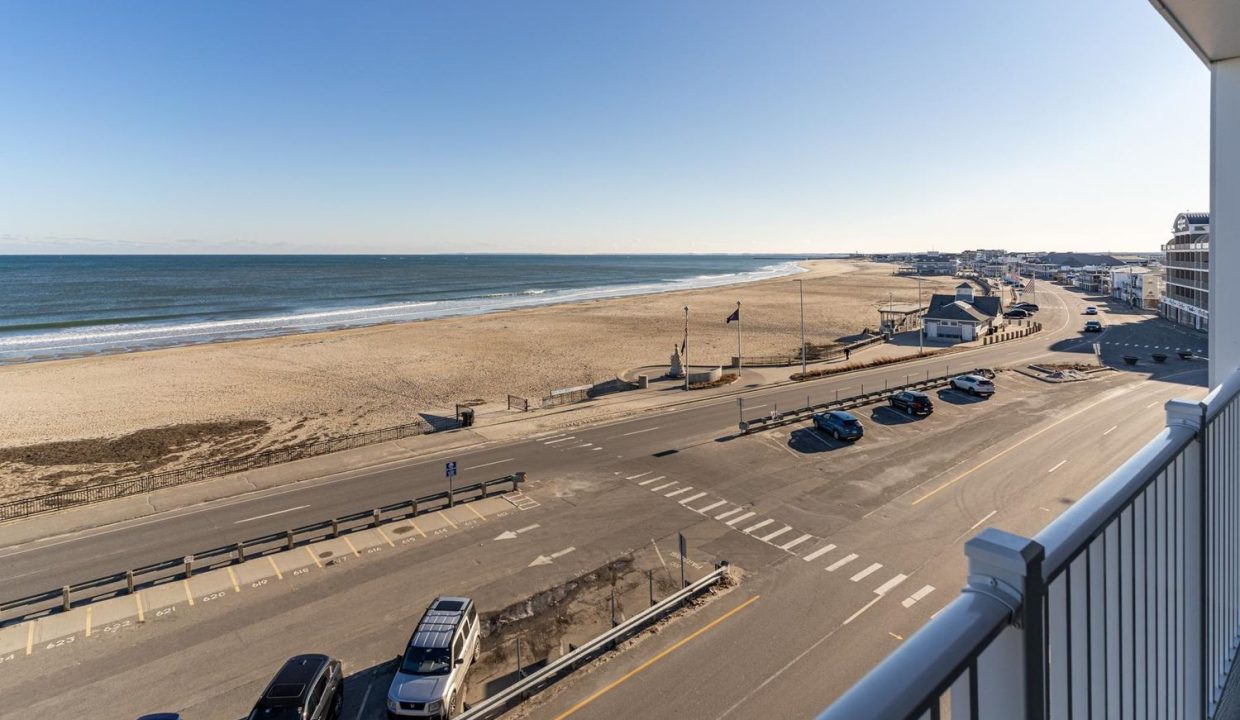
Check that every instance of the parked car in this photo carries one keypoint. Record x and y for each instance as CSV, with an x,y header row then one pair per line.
x,y
430,677
913,403
1091,310
307,687
1017,313
1027,306
974,385
1093,326
839,425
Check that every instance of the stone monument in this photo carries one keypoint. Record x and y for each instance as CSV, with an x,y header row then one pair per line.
x,y
678,368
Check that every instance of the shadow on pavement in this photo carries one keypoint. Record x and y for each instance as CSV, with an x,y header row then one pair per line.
x,y
959,397
886,415
811,440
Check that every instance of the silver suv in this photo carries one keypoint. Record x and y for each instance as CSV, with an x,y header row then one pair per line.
x,y
430,679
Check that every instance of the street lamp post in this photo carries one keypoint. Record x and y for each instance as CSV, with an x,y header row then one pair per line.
x,y
921,329
801,283
686,347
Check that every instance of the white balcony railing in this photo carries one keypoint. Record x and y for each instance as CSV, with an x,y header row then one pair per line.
x,y
1127,605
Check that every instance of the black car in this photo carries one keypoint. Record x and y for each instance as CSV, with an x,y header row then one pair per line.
x,y
913,403
1017,313
308,687
1093,326
1026,306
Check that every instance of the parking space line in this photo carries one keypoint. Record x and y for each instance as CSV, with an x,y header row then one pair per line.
x,y
691,498
634,477
233,576
777,533
279,575
472,510
90,611
788,546
415,527
664,486
890,584
1108,432
1059,465
385,537
818,553
684,489
712,506
349,542
739,518
911,600
762,524
651,480
137,600
730,512
862,575
314,557
29,637
188,595
446,518
841,562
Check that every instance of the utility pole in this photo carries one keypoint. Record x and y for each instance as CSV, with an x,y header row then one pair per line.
x,y
801,283
740,359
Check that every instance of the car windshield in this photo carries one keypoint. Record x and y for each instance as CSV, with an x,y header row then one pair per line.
x,y
276,713
426,661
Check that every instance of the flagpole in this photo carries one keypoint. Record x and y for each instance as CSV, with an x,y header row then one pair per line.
x,y
686,347
740,361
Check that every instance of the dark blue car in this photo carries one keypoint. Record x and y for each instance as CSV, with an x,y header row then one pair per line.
x,y
839,425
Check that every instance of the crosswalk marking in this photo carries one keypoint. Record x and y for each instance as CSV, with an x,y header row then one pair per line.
x,y
818,553
912,599
684,489
634,477
730,512
841,562
664,486
691,498
652,480
739,518
890,584
712,506
777,533
794,543
861,575
762,524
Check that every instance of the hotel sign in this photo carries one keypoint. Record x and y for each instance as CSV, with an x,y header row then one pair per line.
x,y
1190,309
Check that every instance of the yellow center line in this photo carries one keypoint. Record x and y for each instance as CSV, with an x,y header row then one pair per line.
x,y
137,600
349,542
656,658
233,576
279,575
996,456
314,557
188,595
472,510
447,519
415,527
89,612
385,537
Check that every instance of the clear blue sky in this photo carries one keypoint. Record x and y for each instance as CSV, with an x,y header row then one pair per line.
x,y
712,126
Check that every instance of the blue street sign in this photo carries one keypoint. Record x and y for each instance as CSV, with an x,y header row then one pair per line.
x,y
449,469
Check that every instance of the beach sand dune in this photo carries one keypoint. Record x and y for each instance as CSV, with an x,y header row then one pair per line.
x,y
332,383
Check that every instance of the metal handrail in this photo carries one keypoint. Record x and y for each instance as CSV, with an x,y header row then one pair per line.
x,y
502,701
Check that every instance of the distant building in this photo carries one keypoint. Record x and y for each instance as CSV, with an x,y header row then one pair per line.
x,y
1137,286
961,317
1186,299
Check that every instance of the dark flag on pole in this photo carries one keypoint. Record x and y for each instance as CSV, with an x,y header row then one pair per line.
x,y
736,315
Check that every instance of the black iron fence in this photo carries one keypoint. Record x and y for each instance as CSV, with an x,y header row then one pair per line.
x,y
93,493
129,581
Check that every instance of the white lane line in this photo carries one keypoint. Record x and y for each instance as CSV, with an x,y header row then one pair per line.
x,y
638,432
1059,465
563,439
684,489
789,545
887,586
664,486
692,498
651,480
857,614
712,506
755,407
777,533
497,462
979,522
861,575
757,526
842,562
271,514
585,445
1147,407
634,477
1108,432
818,553
911,600
740,518
730,512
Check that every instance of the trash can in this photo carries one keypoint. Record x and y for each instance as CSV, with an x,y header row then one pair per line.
x,y
467,417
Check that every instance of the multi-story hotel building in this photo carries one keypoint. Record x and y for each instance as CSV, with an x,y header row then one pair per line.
x,y
1186,299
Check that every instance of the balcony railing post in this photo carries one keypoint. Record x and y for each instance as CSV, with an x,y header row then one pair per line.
x,y
1009,568
1181,413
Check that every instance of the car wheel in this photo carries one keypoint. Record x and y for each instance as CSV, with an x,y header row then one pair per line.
x,y
972,391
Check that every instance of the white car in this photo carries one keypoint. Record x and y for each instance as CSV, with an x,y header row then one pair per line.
x,y
973,384
1091,310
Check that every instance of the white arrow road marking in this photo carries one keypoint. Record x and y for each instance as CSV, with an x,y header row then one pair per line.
x,y
510,534
546,559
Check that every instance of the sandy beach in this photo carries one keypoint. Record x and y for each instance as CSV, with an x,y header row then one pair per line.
x,y
66,421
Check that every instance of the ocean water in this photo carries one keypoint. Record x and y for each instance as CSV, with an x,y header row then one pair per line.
x,y
54,307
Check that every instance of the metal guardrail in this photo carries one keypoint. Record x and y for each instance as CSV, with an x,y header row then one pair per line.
x,y
1126,605
776,419
128,581
540,680
25,507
